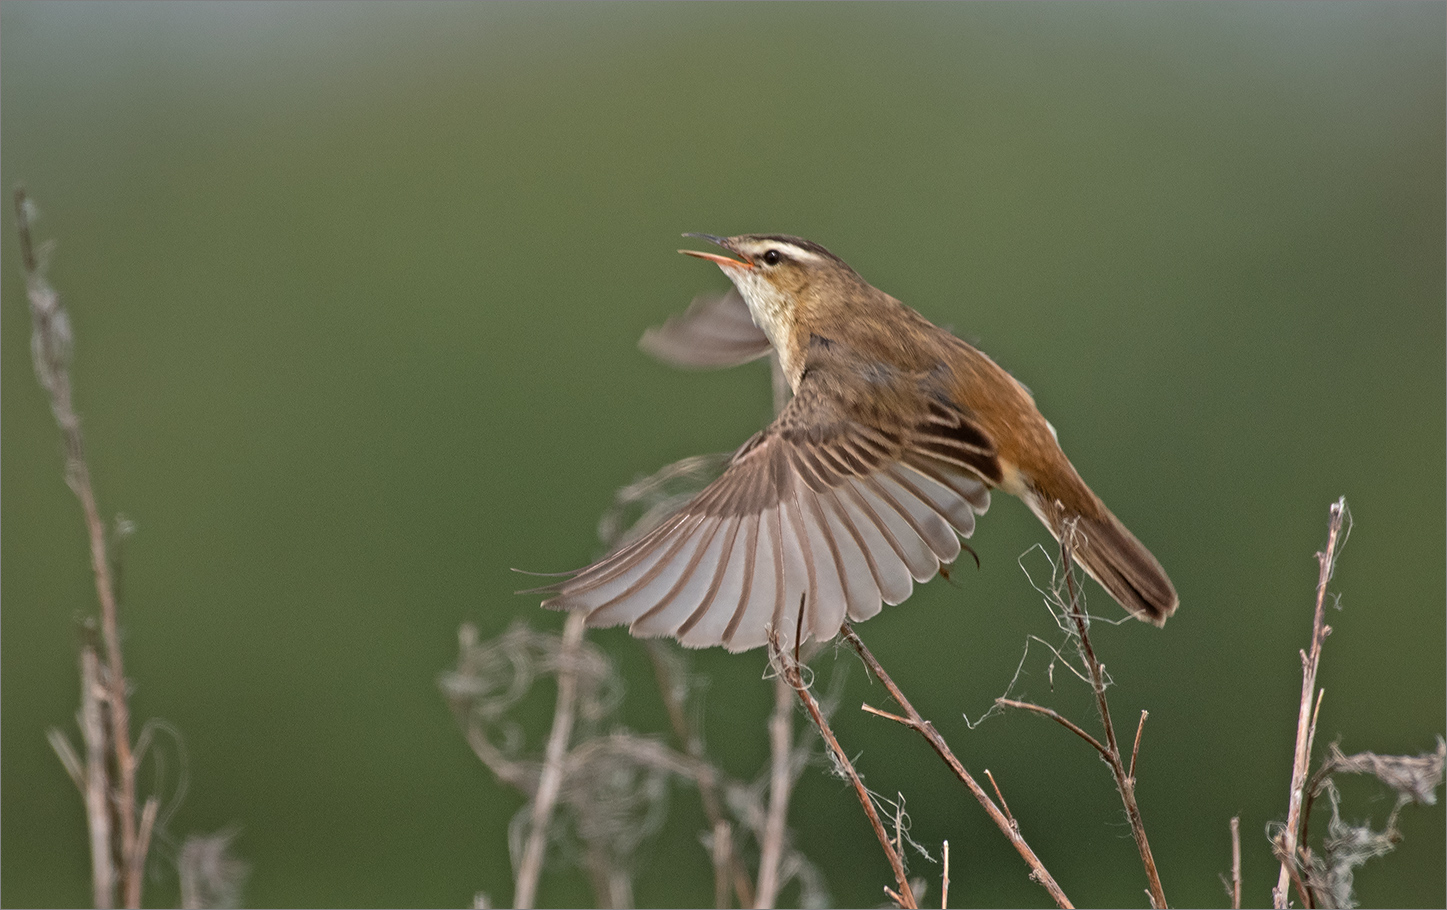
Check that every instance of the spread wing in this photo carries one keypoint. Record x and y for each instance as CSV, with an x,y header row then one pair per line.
x,y
836,508
716,331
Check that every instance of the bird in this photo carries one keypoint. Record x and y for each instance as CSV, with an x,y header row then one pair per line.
x,y
865,482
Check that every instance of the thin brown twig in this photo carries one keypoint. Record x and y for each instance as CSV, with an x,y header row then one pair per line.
x,y
1135,750
914,721
1059,718
870,709
1289,841
551,779
143,834
789,668
1294,874
1001,797
1124,782
97,789
945,875
1311,792
1236,862
50,349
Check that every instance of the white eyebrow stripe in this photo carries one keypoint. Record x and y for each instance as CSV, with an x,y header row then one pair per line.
x,y
788,249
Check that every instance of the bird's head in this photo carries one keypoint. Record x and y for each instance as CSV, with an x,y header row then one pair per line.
x,y
777,276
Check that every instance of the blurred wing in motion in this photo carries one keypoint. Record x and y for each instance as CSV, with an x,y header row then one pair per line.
x,y
716,331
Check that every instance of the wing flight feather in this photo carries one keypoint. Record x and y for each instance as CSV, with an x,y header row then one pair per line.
x,y
832,510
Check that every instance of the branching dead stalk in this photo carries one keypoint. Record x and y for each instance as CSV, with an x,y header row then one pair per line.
x,y
1124,779
1109,751
50,348
914,721
1290,841
789,668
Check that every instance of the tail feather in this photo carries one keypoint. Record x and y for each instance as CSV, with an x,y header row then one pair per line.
x,y
1125,568
1112,555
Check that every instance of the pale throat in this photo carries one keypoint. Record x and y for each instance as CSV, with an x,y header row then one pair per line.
x,y
773,312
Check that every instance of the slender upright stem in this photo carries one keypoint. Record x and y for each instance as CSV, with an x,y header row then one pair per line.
x,y
721,851
1288,843
50,349
97,789
1236,862
133,861
945,879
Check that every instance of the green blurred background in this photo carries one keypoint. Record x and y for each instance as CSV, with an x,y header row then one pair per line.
x,y
356,291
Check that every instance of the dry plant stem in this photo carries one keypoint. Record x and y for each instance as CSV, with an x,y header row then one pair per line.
x,y
1289,841
914,721
781,782
1001,797
96,789
1311,788
790,669
134,859
1236,863
721,854
90,776
143,836
551,779
870,709
1124,781
50,348
737,874
1135,750
1295,875
945,876
1059,718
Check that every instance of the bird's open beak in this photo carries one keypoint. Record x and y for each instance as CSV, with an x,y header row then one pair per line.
x,y
722,261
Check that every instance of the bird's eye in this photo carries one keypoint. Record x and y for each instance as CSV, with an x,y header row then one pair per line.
x,y
772,257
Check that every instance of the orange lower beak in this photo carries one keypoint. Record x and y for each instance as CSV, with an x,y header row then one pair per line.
x,y
723,261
